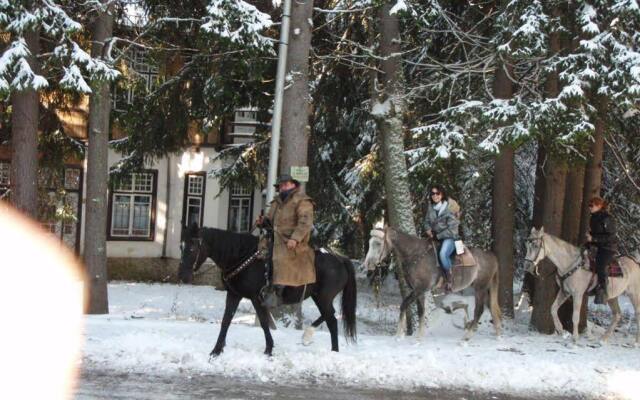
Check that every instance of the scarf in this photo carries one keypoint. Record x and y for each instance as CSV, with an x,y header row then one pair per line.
x,y
283,195
440,207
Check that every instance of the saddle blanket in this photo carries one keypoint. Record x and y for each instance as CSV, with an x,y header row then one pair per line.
x,y
613,268
465,259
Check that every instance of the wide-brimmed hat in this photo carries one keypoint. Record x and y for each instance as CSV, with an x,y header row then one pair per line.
x,y
286,178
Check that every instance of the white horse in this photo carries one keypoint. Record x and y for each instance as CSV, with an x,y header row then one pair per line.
x,y
574,279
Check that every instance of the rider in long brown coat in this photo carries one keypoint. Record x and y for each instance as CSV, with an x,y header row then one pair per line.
x,y
291,215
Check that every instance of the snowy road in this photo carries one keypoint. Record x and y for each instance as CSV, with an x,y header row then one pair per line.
x,y
97,385
166,330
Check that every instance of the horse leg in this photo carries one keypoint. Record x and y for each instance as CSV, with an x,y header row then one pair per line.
x,y
615,318
327,313
575,316
230,307
421,316
402,321
561,297
635,300
494,305
471,327
307,336
263,316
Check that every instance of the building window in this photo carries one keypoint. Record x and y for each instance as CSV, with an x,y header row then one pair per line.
x,y
133,207
60,203
140,67
240,207
194,190
242,128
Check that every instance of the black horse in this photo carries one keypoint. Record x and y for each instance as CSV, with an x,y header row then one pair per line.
x,y
244,277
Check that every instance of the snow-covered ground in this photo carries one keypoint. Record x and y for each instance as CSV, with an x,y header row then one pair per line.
x,y
165,328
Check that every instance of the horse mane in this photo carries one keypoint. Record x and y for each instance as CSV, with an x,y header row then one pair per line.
x,y
406,236
416,244
561,242
229,247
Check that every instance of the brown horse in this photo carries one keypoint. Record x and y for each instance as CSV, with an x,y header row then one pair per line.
x,y
418,258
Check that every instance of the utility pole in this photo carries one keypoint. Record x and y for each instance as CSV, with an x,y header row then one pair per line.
x,y
277,107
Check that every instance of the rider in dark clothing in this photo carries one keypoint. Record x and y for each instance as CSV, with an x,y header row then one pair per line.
x,y
602,235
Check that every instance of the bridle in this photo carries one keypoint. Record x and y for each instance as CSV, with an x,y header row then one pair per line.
x,y
195,267
384,245
541,248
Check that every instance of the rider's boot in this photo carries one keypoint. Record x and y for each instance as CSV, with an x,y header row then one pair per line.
x,y
601,292
448,281
273,297
600,295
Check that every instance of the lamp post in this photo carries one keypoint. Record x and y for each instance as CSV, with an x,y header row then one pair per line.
x,y
277,107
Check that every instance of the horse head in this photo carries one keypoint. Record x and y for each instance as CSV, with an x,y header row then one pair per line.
x,y
536,251
379,248
194,252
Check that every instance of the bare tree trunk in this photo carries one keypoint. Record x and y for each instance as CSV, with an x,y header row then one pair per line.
x,y
593,171
297,102
538,196
573,203
296,108
95,242
503,217
24,138
388,113
555,171
546,287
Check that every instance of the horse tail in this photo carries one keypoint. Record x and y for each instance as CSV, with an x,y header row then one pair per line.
x,y
493,296
349,302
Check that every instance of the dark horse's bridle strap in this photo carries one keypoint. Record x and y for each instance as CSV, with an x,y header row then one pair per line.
x,y
235,271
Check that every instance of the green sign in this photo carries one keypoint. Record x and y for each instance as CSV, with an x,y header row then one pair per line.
x,y
300,174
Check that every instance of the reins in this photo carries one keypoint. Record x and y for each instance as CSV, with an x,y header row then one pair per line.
x,y
236,270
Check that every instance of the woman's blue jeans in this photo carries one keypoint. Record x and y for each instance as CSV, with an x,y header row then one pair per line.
x,y
447,249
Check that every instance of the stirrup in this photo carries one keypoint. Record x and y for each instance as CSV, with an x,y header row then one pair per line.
x,y
272,296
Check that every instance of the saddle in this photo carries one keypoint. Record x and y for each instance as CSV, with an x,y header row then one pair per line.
x,y
613,269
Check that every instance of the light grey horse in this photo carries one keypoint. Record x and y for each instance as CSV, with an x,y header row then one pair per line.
x,y
418,259
574,279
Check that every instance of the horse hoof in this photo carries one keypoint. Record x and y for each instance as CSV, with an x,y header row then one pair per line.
x,y
214,353
269,353
307,337
566,335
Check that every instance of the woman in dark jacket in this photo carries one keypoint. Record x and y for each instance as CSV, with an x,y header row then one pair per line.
x,y
602,235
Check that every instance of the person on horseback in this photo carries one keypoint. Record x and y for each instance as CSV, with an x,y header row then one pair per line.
x,y
441,223
291,216
602,236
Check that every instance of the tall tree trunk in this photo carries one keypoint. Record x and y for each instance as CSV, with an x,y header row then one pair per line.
x,y
573,203
95,242
593,171
503,217
555,172
388,113
545,286
296,100
538,196
24,138
296,108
